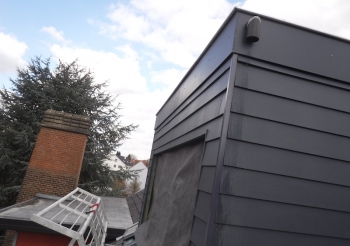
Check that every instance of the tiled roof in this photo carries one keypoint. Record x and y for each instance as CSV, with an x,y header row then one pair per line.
x,y
135,203
126,161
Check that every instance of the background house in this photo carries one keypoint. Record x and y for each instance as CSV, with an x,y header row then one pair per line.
x,y
142,174
115,162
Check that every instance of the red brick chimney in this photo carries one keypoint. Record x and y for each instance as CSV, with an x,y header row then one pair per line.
x,y
55,164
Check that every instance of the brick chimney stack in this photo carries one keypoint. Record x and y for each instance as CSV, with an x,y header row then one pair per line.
x,y
55,164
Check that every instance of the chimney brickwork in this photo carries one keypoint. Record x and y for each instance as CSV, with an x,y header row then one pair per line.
x,y
55,164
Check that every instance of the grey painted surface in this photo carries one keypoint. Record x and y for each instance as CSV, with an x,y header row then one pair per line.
x,y
263,214
295,47
204,98
287,163
290,137
198,231
277,188
296,88
201,116
287,156
291,112
219,72
206,180
245,236
202,209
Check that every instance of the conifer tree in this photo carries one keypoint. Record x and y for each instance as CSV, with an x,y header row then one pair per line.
x,y
69,88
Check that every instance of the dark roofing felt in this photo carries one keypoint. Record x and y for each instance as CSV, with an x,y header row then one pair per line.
x,y
135,203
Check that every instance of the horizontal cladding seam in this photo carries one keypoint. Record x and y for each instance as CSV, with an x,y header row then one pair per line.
x,y
291,232
191,114
224,63
155,149
289,124
291,99
206,192
284,203
276,201
287,176
190,117
277,68
296,151
172,115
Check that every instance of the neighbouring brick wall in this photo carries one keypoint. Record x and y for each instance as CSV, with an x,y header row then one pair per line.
x,y
9,236
41,239
55,164
54,167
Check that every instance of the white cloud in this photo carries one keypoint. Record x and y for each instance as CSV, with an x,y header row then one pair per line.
x,y
331,16
168,77
11,53
177,30
121,72
57,35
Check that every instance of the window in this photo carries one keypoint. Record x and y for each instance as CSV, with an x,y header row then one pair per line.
x,y
115,166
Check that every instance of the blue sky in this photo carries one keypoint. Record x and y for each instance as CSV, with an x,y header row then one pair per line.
x,y
143,47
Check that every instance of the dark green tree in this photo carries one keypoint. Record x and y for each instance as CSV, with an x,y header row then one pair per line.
x,y
69,88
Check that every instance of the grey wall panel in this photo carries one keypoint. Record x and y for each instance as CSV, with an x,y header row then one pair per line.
x,y
282,217
289,137
272,187
289,111
202,209
212,57
221,71
211,130
203,115
211,153
290,163
274,83
198,231
293,72
243,236
295,47
218,87
206,180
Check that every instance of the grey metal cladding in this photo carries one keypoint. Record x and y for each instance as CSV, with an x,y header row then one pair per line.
x,y
211,153
282,217
234,235
202,209
295,47
205,97
217,75
211,130
275,83
206,179
216,53
288,137
200,117
291,112
286,162
277,188
198,231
